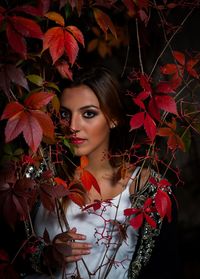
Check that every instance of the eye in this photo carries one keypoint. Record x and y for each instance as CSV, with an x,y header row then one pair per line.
x,y
65,115
89,114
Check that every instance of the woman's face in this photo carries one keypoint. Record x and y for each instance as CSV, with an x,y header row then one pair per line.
x,y
89,126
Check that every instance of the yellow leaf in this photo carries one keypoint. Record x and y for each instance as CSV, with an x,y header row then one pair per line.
x,y
56,17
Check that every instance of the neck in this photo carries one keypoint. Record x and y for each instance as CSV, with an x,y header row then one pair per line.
x,y
99,166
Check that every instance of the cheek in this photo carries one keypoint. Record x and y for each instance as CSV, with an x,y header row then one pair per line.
x,y
100,129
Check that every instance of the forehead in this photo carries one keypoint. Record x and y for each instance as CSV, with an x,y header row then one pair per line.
x,y
79,96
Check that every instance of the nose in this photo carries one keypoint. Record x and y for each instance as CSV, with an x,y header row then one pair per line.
x,y
74,123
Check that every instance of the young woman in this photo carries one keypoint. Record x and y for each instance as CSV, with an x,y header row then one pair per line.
x,y
103,244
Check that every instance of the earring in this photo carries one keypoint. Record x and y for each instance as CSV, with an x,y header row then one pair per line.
x,y
113,125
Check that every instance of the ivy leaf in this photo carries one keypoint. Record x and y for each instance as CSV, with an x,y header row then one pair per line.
x,y
16,41
88,180
45,123
164,87
150,127
59,40
190,67
64,69
78,35
58,18
137,221
71,47
153,109
163,204
38,99
35,79
166,103
174,141
179,56
137,120
84,162
26,27
29,120
104,21
11,74
17,28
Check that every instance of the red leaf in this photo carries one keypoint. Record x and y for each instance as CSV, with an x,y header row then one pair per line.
x,y
32,132
189,67
131,211
16,75
11,109
28,9
88,180
27,27
138,102
84,162
137,120
175,142
38,99
50,36
130,7
169,69
45,123
164,87
136,222
63,69
150,127
43,6
179,56
104,22
71,47
163,132
78,35
3,256
153,109
57,48
163,204
150,220
166,103
15,126
145,84
16,41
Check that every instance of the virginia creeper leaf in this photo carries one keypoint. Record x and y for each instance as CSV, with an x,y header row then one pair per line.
x,y
104,22
26,27
179,56
11,109
38,99
45,122
78,35
32,132
71,47
58,18
150,127
136,222
16,40
166,103
137,120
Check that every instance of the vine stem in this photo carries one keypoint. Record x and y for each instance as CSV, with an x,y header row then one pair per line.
x,y
139,48
169,41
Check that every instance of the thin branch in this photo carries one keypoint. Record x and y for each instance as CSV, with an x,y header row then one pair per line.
x,y
139,47
169,41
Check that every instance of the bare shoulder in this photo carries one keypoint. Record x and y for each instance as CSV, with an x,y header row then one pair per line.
x,y
140,180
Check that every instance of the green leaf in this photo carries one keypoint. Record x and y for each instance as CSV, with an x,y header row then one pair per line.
x,y
38,80
67,144
52,85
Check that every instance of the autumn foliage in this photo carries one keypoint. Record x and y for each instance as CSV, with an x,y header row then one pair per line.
x,y
42,42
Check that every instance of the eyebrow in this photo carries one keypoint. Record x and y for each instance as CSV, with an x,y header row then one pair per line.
x,y
82,108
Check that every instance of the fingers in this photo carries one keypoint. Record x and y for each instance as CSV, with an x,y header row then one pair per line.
x,y
78,249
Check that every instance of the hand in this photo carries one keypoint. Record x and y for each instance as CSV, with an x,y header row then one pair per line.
x,y
78,248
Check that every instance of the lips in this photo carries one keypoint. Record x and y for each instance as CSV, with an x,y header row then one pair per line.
x,y
77,141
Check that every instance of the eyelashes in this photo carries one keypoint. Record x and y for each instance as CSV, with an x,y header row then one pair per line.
x,y
88,114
